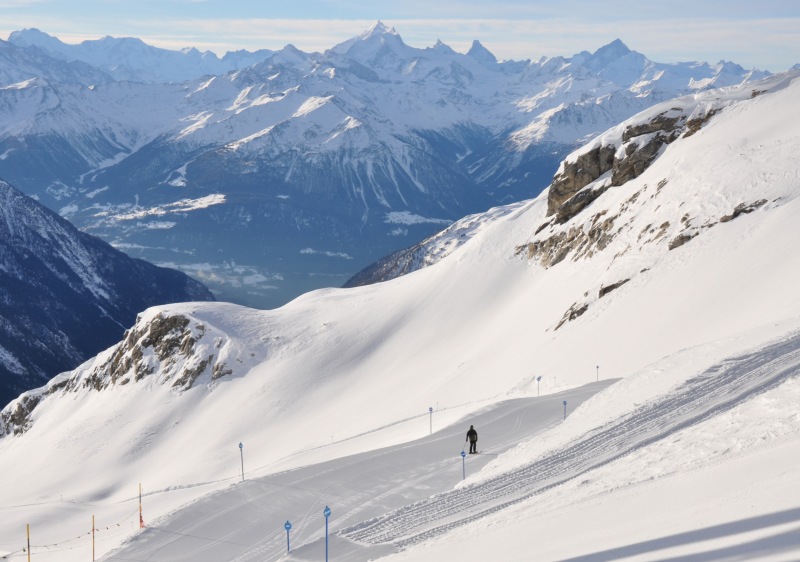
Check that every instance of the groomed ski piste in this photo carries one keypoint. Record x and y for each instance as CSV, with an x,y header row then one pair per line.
x,y
680,438
390,479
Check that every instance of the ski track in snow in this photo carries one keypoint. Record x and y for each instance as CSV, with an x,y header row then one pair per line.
x,y
711,393
245,522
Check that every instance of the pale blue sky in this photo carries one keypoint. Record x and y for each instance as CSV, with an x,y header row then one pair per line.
x,y
754,33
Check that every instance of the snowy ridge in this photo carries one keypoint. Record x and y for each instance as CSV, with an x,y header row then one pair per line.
x,y
432,249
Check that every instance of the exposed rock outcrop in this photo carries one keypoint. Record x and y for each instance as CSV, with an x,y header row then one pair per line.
x,y
641,143
578,174
165,345
576,240
572,313
608,288
743,209
681,239
65,296
176,348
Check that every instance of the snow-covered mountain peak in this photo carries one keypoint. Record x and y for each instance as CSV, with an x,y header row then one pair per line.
x,y
611,51
379,28
481,54
366,44
34,37
441,48
289,57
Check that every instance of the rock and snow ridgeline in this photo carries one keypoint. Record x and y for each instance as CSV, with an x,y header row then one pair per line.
x,y
175,349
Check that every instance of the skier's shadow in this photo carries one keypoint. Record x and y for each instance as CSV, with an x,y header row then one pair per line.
x,y
784,541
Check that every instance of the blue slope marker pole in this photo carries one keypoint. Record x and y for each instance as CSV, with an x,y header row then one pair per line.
x,y
327,513
565,409
288,527
463,465
430,410
241,452
537,384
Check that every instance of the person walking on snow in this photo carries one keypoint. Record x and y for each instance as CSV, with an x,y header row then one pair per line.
x,y
472,437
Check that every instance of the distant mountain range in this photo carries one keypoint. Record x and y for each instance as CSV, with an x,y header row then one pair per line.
x,y
66,295
131,59
269,174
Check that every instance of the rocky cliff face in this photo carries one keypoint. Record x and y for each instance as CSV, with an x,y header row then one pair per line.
x,y
65,295
641,143
177,349
599,200
586,176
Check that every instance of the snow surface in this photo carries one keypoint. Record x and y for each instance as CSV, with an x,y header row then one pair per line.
x,y
693,455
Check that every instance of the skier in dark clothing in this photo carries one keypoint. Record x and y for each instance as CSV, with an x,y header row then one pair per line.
x,y
472,437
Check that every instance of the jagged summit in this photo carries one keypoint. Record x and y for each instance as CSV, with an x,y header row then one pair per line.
x,y
130,58
481,54
441,47
379,28
612,50
377,36
606,54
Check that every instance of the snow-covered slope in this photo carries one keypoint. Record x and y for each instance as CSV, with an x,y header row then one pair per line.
x,y
319,164
704,335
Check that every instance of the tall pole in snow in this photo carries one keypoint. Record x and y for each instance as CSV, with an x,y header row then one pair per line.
x,y
92,538
463,466
537,384
28,528
141,519
327,513
430,411
598,373
565,409
241,453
